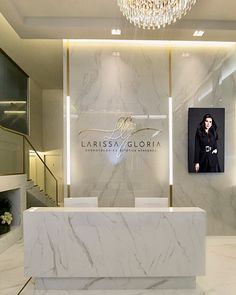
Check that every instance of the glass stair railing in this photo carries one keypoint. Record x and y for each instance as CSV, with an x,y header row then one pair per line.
x,y
18,156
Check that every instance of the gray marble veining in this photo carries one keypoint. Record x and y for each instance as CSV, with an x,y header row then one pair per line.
x,y
114,242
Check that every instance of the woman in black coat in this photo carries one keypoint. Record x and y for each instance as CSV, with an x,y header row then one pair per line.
x,y
205,156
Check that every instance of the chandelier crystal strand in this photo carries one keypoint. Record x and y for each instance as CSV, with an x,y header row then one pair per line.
x,y
154,13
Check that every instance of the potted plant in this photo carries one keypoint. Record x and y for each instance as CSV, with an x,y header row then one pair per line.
x,y
5,215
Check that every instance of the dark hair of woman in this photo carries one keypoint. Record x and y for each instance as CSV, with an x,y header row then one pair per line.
x,y
212,130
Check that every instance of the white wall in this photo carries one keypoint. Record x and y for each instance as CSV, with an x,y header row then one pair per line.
x,y
53,138
46,119
52,119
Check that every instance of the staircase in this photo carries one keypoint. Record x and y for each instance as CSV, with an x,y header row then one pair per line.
x,y
35,197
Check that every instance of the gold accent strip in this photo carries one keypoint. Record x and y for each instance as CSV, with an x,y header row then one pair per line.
x,y
171,195
24,160
68,68
95,130
68,190
145,129
15,173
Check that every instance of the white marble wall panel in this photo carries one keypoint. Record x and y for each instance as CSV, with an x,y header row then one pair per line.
x,y
108,82
114,242
122,79
205,77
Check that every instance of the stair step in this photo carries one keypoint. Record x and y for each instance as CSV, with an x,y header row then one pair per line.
x,y
36,197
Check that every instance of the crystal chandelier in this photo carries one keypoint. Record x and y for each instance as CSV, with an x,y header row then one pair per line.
x,y
154,13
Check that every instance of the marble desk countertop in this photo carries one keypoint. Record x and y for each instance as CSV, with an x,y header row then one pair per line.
x,y
114,242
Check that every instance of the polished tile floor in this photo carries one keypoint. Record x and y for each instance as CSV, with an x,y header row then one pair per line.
x,y
220,278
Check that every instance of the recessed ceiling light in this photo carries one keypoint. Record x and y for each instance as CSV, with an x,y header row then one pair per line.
x,y
198,33
115,31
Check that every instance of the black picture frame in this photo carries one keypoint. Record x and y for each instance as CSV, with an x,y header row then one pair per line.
x,y
198,149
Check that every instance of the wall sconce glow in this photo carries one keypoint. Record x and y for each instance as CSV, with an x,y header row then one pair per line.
x,y
198,33
14,112
68,140
12,102
116,32
170,142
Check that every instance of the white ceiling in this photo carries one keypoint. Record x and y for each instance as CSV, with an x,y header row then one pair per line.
x,y
93,19
57,19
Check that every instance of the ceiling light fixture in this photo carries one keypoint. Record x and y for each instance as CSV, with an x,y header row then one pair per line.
x,y
198,33
151,14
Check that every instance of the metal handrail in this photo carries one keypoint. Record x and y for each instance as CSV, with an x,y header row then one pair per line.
x,y
45,165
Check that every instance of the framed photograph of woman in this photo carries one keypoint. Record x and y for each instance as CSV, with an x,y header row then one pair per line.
x,y
206,140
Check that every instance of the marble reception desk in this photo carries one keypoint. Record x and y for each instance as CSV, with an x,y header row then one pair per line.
x,y
112,248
